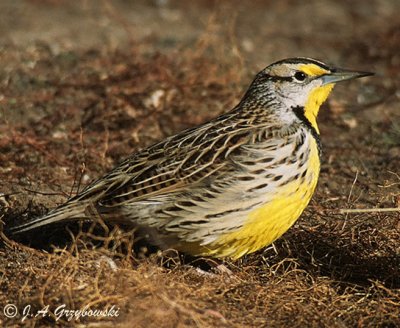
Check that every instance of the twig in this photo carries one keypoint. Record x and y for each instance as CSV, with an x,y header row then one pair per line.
x,y
42,192
368,210
352,186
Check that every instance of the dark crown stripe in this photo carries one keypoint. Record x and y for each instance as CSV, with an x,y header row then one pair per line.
x,y
301,60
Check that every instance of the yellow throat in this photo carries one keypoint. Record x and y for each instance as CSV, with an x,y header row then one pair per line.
x,y
317,96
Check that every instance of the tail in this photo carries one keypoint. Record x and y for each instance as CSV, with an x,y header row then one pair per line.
x,y
67,212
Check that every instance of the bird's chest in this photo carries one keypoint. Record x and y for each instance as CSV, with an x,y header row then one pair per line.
x,y
283,167
282,191
273,184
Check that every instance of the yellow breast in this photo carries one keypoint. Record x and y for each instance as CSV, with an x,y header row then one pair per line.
x,y
271,220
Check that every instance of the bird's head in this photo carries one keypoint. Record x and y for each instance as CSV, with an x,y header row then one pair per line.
x,y
300,85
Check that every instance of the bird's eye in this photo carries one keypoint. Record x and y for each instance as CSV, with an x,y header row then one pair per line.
x,y
300,76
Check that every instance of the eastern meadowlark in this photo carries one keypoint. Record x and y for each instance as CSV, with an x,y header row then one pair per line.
x,y
229,186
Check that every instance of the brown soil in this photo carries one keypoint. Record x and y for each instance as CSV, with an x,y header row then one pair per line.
x,y
84,84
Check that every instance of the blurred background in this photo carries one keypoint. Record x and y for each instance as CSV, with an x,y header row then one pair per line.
x,y
263,31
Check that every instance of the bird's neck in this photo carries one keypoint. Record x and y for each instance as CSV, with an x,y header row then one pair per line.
x,y
314,102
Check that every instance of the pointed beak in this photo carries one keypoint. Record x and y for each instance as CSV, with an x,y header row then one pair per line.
x,y
339,75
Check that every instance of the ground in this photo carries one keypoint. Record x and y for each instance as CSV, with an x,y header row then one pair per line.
x,y
84,84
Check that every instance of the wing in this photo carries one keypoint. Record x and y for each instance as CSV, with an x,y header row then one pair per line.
x,y
171,166
169,175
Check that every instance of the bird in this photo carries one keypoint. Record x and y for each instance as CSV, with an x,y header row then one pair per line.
x,y
227,187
